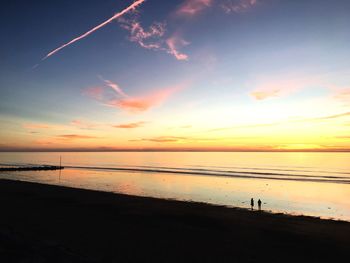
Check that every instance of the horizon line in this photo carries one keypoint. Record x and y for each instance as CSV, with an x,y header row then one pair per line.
x,y
337,150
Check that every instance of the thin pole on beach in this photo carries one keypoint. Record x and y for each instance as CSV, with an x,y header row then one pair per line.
x,y
59,174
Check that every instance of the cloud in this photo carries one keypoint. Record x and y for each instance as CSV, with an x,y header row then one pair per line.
x,y
64,138
115,87
261,95
343,137
143,103
327,117
131,103
94,92
246,126
193,7
272,87
165,139
343,95
43,142
132,125
84,124
74,137
36,126
237,6
150,38
174,43
334,116
116,16
42,126
153,37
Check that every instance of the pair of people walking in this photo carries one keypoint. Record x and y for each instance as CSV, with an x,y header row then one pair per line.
x,y
252,204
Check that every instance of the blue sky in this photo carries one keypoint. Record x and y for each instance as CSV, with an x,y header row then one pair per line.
x,y
201,64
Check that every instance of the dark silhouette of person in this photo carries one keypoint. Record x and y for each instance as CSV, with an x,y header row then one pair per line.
x,y
259,204
252,203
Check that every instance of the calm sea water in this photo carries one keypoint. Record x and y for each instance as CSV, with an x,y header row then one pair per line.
x,y
316,184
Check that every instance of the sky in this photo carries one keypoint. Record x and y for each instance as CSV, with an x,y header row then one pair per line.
x,y
240,75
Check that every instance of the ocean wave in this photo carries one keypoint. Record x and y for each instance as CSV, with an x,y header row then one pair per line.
x,y
221,173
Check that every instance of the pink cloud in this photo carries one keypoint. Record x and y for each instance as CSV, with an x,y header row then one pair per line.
x,y
94,92
132,103
144,103
84,124
150,38
175,42
237,6
115,87
153,38
193,7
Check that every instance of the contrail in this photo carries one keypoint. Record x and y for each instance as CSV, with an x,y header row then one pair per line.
x,y
132,6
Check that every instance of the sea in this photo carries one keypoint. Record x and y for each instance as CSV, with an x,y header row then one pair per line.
x,y
297,183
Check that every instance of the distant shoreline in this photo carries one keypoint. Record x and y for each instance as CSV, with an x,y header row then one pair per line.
x,y
108,227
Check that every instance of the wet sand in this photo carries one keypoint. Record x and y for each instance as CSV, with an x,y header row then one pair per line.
x,y
42,223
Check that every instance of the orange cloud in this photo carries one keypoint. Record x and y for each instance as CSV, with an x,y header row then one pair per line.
x,y
343,94
261,95
164,139
132,125
36,126
237,6
193,7
270,87
39,126
74,137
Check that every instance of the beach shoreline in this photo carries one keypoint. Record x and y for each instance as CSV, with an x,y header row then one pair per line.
x,y
94,226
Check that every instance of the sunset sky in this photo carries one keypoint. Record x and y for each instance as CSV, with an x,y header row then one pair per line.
x,y
175,75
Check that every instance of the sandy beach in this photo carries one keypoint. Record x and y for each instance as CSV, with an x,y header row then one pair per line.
x,y
42,223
